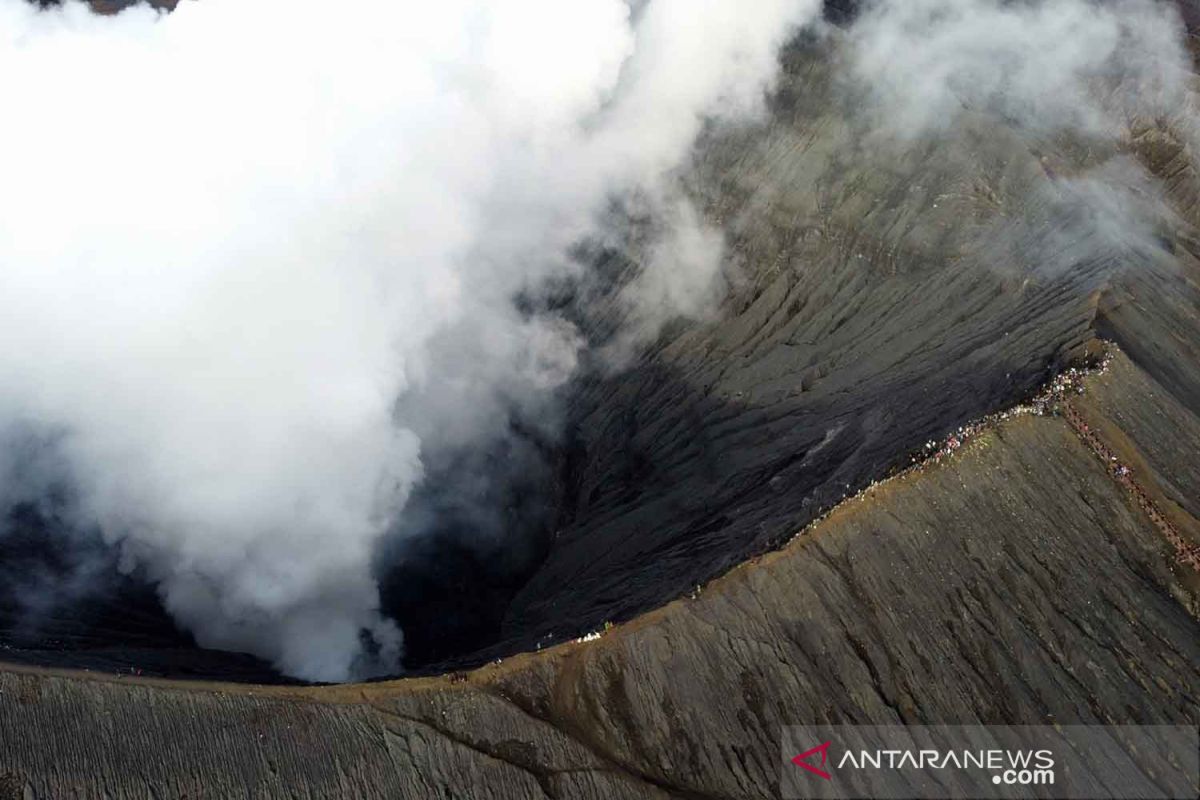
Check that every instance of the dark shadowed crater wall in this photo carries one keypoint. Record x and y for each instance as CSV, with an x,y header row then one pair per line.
x,y
877,307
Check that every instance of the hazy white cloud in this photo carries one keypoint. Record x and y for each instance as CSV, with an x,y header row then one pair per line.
x,y
1046,65
232,237
1065,77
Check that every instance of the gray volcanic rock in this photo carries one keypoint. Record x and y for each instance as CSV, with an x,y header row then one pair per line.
x,y
114,6
1017,581
886,298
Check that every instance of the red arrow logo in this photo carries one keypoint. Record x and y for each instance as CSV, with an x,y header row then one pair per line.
x,y
800,761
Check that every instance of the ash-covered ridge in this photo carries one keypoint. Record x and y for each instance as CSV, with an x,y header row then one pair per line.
x,y
1040,569
881,297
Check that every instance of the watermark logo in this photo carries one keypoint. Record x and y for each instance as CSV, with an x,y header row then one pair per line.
x,y
802,760
992,762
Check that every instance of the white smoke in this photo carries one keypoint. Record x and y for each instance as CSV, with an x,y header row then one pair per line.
x,y
231,236
1066,79
1047,66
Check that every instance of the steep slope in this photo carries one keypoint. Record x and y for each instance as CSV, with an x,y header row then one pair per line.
x,y
886,298
1045,571
1018,579
884,295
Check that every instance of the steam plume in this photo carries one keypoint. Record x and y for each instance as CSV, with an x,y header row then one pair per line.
x,y
232,237
1068,78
